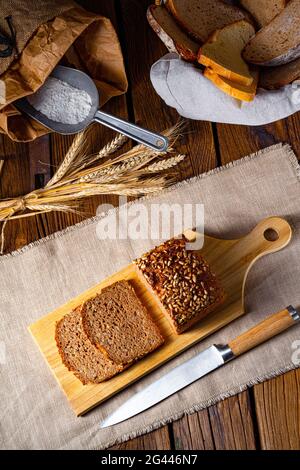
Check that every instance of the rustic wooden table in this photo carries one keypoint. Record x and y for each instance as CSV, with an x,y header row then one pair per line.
x,y
266,416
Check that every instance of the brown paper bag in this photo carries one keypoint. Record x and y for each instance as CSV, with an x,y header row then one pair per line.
x,y
62,29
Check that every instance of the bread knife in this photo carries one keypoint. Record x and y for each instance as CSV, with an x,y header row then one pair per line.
x,y
202,364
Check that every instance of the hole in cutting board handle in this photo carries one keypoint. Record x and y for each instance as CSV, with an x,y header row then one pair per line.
x,y
271,235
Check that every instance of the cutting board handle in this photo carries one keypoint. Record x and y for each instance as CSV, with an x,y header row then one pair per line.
x,y
269,235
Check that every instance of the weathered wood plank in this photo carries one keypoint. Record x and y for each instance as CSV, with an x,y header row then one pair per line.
x,y
225,426
148,108
238,141
275,422
15,181
278,412
194,432
156,440
40,162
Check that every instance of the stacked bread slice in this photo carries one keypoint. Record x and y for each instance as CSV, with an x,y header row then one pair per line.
x,y
278,42
224,39
263,11
106,334
226,68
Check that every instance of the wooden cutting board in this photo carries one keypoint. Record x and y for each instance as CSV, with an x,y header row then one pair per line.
x,y
231,260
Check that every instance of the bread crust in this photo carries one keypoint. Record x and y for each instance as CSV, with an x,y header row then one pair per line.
x,y
159,269
239,92
261,17
171,7
215,66
170,43
253,50
71,368
272,78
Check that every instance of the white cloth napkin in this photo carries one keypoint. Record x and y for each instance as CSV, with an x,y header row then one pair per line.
x,y
183,87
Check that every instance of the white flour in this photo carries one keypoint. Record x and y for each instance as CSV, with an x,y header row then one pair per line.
x,y
61,102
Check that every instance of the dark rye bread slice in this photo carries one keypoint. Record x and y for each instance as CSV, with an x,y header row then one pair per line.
x,y
277,43
263,11
79,355
119,325
183,282
272,78
200,18
170,33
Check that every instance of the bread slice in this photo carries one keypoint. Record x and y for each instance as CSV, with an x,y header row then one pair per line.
x,y
241,92
79,355
201,18
182,281
174,38
272,78
223,52
264,11
277,43
119,325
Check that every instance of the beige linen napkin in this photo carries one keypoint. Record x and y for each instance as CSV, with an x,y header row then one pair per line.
x,y
34,413
183,87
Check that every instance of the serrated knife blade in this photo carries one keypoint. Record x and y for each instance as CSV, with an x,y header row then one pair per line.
x,y
202,364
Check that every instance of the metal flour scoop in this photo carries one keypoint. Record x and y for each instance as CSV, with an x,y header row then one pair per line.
x,y
82,81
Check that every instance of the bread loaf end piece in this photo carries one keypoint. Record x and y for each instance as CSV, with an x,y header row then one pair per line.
x,y
183,282
170,33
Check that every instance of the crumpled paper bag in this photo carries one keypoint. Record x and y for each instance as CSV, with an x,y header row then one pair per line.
x,y
85,40
183,87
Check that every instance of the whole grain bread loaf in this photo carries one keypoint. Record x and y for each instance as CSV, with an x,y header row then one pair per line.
x,y
200,18
183,282
263,11
223,52
277,43
272,78
79,355
174,38
117,323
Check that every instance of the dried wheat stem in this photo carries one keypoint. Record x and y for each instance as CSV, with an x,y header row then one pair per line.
x,y
112,146
107,150
69,158
164,164
3,237
1,166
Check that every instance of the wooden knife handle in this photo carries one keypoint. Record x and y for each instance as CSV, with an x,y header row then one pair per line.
x,y
265,330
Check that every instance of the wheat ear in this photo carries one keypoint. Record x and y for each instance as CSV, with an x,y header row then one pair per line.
x,y
71,155
164,164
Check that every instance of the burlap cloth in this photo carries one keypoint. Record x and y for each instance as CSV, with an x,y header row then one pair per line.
x,y
34,414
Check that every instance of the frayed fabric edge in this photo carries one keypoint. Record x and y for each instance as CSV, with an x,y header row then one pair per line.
x,y
266,151
198,406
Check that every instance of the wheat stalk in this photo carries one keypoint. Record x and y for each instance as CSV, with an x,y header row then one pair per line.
x,y
163,165
69,158
1,166
81,175
105,152
112,146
